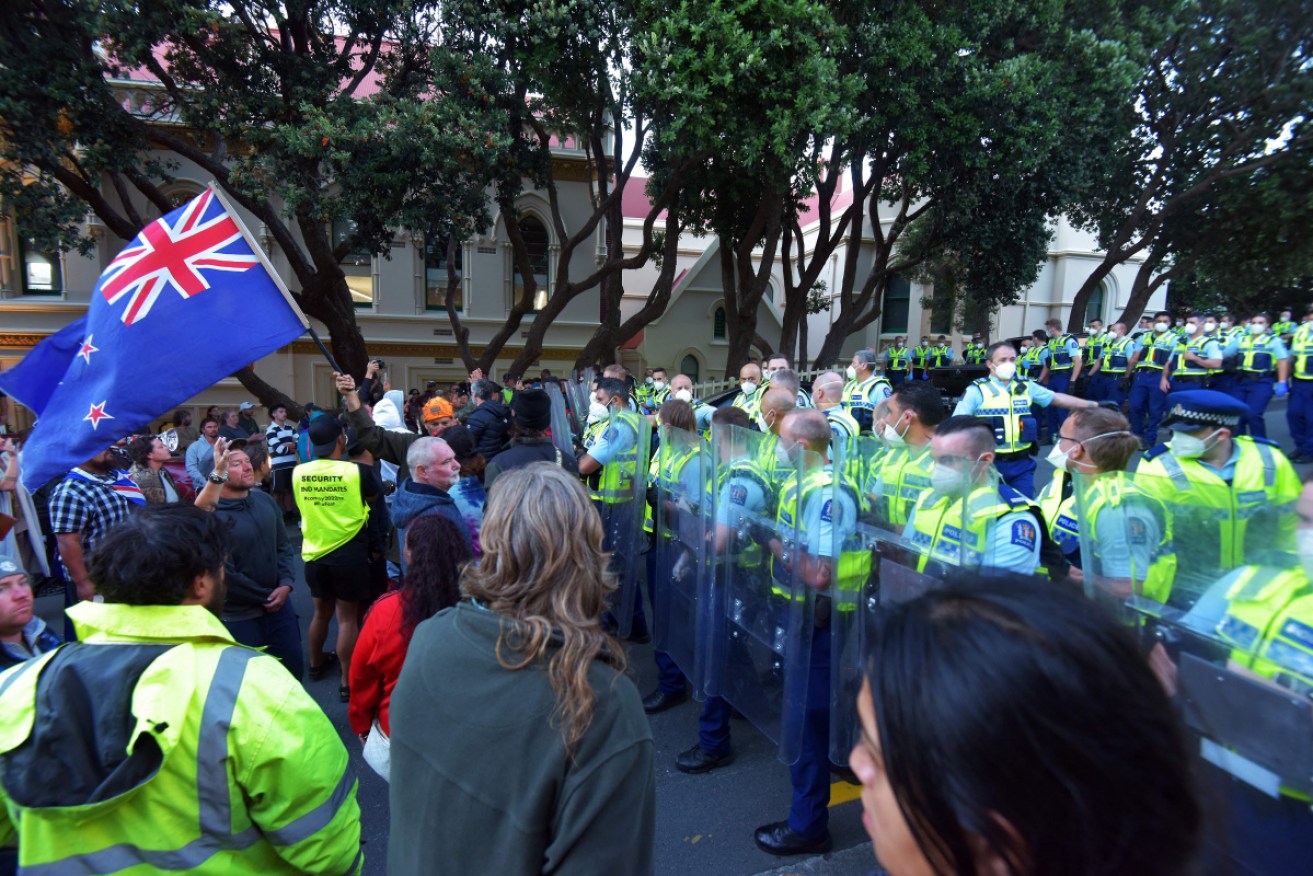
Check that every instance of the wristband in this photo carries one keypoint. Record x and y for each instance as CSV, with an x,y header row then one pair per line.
x,y
216,478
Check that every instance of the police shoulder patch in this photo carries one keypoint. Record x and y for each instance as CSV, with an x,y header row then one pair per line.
x,y
610,434
1137,531
1023,534
1155,451
738,495
827,510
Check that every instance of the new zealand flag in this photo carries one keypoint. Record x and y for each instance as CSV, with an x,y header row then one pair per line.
x,y
189,301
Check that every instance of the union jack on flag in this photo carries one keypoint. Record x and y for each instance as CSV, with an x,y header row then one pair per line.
x,y
175,251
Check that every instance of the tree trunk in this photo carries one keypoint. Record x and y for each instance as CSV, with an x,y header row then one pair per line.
x,y
1142,289
330,303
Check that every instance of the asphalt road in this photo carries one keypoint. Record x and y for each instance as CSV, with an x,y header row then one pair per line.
x,y
704,823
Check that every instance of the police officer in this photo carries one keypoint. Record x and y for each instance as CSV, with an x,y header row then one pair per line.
x,y
1299,413
1004,401
1240,488
921,360
810,505
1195,360
1109,373
941,354
903,471
1143,328
827,392
619,456
1031,357
1147,398
750,392
619,372
865,389
658,392
974,352
1064,368
968,519
1262,370
1093,350
897,362
777,363
1284,328
158,717
1228,337
681,387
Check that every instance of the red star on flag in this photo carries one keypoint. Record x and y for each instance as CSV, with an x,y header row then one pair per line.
x,y
87,350
97,414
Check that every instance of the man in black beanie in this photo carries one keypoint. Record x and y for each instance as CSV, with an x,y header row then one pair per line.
x,y
531,417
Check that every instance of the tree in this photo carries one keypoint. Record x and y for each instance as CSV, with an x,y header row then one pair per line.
x,y
1214,162
303,113
740,95
973,124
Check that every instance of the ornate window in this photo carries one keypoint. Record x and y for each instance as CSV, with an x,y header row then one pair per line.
x,y
718,324
356,264
437,250
538,243
897,301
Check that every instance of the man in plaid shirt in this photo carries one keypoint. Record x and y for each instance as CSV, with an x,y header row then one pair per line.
x,y
86,503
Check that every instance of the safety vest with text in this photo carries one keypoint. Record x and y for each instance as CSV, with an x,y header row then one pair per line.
x,y
1258,354
940,532
332,505
1117,356
1007,409
853,567
1059,356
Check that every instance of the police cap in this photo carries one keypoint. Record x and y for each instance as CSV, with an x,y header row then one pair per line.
x,y
1196,408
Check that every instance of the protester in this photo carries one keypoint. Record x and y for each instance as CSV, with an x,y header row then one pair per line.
x,y
186,432
160,744
468,491
148,455
23,635
25,541
88,501
231,428
200,455
490,421
260,569
436,470
1060,754
280,439
435,551
531,417
523,660
246,422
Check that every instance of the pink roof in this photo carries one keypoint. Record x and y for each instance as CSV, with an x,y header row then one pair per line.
x,y
634,202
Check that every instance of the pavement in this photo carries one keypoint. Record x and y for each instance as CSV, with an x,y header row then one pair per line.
x,y
704,823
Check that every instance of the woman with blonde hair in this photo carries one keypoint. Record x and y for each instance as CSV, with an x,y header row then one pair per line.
x,y
518,743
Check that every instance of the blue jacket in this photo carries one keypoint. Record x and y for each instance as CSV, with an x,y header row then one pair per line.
x,y
38,639
414,499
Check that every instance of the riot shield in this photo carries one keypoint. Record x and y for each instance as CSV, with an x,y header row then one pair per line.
x,y
760,657
562,431
878,567
621,500
681,588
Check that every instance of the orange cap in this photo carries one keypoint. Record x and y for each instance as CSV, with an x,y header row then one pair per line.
x,y
436,409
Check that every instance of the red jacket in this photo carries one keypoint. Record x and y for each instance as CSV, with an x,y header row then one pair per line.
x,y
376,664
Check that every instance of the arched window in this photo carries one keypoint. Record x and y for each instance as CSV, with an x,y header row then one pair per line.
x,y
1094,308
436,252
538,244
689,366
718,324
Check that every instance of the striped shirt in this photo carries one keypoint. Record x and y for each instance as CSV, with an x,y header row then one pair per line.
x,y
277,437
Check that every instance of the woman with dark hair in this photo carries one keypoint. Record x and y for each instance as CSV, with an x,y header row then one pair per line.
x,y
435,552
468,492
148,455
1013,728
521,745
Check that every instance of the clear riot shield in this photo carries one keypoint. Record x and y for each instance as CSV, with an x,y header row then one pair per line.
x,y
879,566
760,658
621,500
562,431
1233,641
681,590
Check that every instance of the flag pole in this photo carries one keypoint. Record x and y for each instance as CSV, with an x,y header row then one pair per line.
x,y
324,350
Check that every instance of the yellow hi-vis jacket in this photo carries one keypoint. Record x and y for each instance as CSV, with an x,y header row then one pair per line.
x,y
225,763
332,505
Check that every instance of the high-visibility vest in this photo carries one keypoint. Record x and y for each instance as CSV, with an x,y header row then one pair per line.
x,y
853,567
331,502
751,404
656,398
665,471
1269,625
1281,329
1031,363
1159,352
975,354
899,359
862,396
221,716
940,533
1258,354
1057,502
1117,356
1263,479
941,355
904,474
921,355
748,554
617,481
1181,367
1301,351
1006,408
1059,355
842,424
1093,349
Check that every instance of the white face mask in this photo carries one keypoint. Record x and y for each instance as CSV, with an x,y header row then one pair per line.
x,y
1258,328
597,411
1191,328
1161,326
1186,446
1225,325
1005,371
658,385
900,345
1025,348
684,395
748,387
649,381
1210,327
1058,458
893,437
782,456
947,480
851,372
1304,543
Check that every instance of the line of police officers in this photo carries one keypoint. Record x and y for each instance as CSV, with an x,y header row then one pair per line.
x,y
777,522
